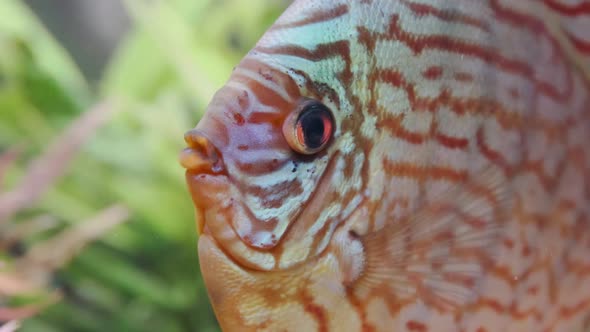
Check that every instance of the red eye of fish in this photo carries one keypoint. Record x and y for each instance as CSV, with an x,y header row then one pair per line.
x,y
309,129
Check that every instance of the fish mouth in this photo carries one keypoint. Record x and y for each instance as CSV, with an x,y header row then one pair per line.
x,y
206,175
201,155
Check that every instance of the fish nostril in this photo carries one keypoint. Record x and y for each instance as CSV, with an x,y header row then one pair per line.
x,y
201,156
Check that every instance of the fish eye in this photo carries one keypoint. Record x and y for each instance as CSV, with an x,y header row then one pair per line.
x,y
309,129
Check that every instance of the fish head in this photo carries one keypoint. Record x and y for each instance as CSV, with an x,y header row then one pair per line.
x,y
271,170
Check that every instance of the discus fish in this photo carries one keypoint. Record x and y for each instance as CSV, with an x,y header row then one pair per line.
x,y
401,165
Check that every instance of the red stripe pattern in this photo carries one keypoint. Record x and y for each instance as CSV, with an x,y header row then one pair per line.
x,y
456,193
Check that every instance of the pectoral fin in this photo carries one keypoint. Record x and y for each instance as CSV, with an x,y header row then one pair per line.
x,y
440,253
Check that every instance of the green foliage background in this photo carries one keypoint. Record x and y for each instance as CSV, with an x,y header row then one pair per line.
x,y
143,275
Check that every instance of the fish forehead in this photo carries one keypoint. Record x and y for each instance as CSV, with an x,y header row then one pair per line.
x,y
436,91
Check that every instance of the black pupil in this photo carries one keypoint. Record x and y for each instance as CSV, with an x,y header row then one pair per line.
x,y
312,124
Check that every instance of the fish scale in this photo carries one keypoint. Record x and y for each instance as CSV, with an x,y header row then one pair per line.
x,y
454,194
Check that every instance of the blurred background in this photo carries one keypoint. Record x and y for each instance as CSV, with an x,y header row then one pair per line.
x,y
96,225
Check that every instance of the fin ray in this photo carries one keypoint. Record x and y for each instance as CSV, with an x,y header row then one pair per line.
x,y
439,253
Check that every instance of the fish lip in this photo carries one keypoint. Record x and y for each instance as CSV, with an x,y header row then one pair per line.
x,y
202,154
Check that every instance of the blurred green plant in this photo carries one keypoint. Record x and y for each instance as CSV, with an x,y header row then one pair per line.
x,y
142,275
